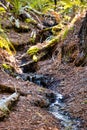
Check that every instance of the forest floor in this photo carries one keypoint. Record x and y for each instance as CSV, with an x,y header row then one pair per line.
x,y
30,111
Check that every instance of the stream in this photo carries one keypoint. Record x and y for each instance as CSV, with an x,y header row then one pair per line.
x,y
57,101
57,109
57,105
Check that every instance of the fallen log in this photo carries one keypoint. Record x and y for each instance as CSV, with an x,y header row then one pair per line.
x,y
6,104
47,45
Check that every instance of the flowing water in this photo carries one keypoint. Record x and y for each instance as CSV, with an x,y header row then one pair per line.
x,y
57,109
57,105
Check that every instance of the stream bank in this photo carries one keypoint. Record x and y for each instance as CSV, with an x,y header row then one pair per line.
x,y
53,102
57,102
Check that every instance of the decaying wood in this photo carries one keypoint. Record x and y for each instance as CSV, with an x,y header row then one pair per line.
x,y
33,18
6,104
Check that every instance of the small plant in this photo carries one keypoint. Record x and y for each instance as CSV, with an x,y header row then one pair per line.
x,y
16,6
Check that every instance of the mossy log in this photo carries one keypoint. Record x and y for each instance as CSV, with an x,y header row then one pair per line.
x,y
47,45
6,104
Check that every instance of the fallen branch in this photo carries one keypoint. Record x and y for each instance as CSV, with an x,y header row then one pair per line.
x,y
6,104
32,20
28,18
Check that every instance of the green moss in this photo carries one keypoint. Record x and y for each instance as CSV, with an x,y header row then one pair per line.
x,y
5,66
56,29
9,69
35,59
30,20
5,43
52,42
32,50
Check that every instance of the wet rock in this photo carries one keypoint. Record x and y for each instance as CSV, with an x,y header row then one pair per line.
x,y
51,97
39,79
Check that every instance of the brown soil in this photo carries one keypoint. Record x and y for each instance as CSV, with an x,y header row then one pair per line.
x,y
29,113
73,87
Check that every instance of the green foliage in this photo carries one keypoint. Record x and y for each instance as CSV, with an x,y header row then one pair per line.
x,y
17,5
63,6
71,6
4,41
41,5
